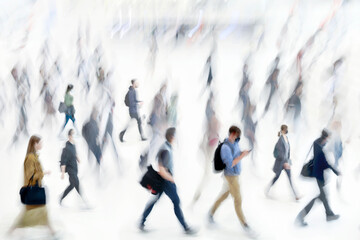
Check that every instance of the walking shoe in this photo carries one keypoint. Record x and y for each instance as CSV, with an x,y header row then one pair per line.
x,y
211,218
332,217
121,136
250,232
142,227
300,221
143,138
190,231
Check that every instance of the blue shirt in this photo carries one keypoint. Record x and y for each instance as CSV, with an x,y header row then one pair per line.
x,y
230,151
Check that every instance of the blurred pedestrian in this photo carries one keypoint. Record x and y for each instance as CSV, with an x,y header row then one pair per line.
x,y
282,162
319,166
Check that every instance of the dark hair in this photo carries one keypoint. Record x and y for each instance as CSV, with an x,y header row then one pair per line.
x,y
282,128
69,87
133,81
324,134
31,145
170,133
70,132
234,129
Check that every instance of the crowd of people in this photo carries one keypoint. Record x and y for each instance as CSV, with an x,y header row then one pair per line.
x,y
161,123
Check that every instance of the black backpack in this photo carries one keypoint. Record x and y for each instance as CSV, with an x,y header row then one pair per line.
x,y
127,101
219,165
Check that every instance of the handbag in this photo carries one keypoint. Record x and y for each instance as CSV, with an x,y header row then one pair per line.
x,y
62,107
152,181
33,195
307,169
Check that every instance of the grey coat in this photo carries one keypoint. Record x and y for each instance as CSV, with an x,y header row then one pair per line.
x,y
281,156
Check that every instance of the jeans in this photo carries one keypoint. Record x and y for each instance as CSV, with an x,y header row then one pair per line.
x,y
67,118
169,189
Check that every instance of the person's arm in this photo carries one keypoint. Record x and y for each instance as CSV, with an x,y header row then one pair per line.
x,y
237,159
63,168
163,172
31,171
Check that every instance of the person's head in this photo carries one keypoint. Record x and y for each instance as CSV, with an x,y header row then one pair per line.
x,y
324,136
69,88
71,134
34,144
135,83
234,134
283,130
170,134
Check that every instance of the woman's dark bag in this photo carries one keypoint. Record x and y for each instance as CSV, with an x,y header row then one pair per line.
x,y
152,181
33,195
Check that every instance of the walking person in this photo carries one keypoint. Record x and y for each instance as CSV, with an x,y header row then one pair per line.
x,y
165,165
319,166
69,163
158,123
232,156
33,215
132,102
282,162
70,110
208,145
90,132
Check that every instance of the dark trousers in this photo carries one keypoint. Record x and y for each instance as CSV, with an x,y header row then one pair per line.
x,y
321,197
138,119
288,173
74,183
96,150
169,189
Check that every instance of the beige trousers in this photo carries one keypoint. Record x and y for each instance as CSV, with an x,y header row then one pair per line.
x,y
231,186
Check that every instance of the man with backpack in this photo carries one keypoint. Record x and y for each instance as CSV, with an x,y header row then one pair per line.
x,y
132,102
231,156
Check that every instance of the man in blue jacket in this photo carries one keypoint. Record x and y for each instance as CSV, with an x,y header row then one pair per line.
x,y
320,165
133,109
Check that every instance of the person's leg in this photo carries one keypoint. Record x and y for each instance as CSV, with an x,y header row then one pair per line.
x,y
234,188
68,189
288,172
323,198
67,118
149,207
74,180
170,191
138,119
225,193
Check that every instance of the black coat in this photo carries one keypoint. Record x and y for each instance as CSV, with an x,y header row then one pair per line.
x,y
280,155
68,158
320,162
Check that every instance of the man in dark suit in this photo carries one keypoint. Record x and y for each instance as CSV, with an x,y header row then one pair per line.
x,y
320,164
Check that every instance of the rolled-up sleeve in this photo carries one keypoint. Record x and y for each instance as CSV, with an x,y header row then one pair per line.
x,y
226,155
